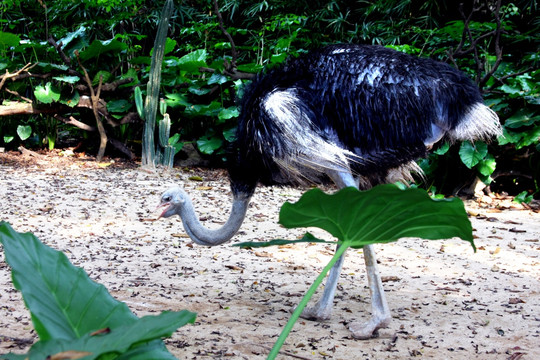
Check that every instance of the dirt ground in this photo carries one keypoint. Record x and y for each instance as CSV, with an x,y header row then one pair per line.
x,y
447,302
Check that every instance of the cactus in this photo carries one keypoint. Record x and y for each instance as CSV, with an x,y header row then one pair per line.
x,y
149,156
164,130
164,150
168,156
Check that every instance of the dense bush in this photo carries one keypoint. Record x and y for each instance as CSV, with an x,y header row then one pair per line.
x,y
46,48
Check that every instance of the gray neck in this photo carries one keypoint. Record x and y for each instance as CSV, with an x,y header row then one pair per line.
x,y
203,236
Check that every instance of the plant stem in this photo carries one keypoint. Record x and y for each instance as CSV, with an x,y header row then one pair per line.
x,y
298,311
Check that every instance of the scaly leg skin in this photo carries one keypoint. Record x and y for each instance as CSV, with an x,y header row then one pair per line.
x,y
323,309
380,317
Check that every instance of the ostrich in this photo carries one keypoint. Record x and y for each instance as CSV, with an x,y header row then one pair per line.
x,y
358,115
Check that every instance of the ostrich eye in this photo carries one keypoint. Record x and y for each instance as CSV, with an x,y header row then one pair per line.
x,y
167,198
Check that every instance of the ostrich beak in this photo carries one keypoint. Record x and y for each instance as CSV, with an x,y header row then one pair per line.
x,y
165,206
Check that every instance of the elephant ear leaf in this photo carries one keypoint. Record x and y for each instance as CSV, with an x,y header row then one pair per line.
x,y
72,312
382,214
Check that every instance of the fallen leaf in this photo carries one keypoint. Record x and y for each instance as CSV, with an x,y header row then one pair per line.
x,y
446,288
262,254
234,267
68,355
180,235
101,331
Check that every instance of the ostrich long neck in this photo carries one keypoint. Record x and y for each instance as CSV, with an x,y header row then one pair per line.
x,y
204,236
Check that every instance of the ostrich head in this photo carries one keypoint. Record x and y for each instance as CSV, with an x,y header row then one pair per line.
x,y
177,201
172,201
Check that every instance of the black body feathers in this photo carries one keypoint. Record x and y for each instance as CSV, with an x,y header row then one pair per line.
x,y
356,108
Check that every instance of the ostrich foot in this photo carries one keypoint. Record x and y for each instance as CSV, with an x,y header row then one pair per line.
x,y
367,330
317,313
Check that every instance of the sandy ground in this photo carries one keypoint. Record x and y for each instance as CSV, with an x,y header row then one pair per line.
x,y
446,301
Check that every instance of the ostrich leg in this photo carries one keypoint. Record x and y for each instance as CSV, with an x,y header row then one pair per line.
x,y
380,316
323,309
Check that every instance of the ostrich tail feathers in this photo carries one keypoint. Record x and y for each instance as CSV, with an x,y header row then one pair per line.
x,y
478,123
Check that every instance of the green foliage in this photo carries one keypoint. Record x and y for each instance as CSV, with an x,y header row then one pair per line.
x,y
358,218
476,155
383,214
71,312
24,132
115,40
47,94
523,197
8,40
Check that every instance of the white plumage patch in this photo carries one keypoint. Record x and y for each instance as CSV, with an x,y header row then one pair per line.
x,y
304,148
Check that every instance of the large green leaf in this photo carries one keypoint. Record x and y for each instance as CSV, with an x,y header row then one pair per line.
x,y
66,305
217,79
472,153
520,139
24,131
308,237
170,44
228,113
487,166
8,40
230,134
104,75
98,47
62,299
118,106
523,117
208,145
67,79
118,339
193,61
382,214
71,100
175,100
47,94
80,32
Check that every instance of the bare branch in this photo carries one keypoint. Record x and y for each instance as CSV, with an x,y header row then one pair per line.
x,y
234,74
15,75
498,49
482,77
72,121
58,48
18,95
16,108
122,148
95,104
107,87
228,36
